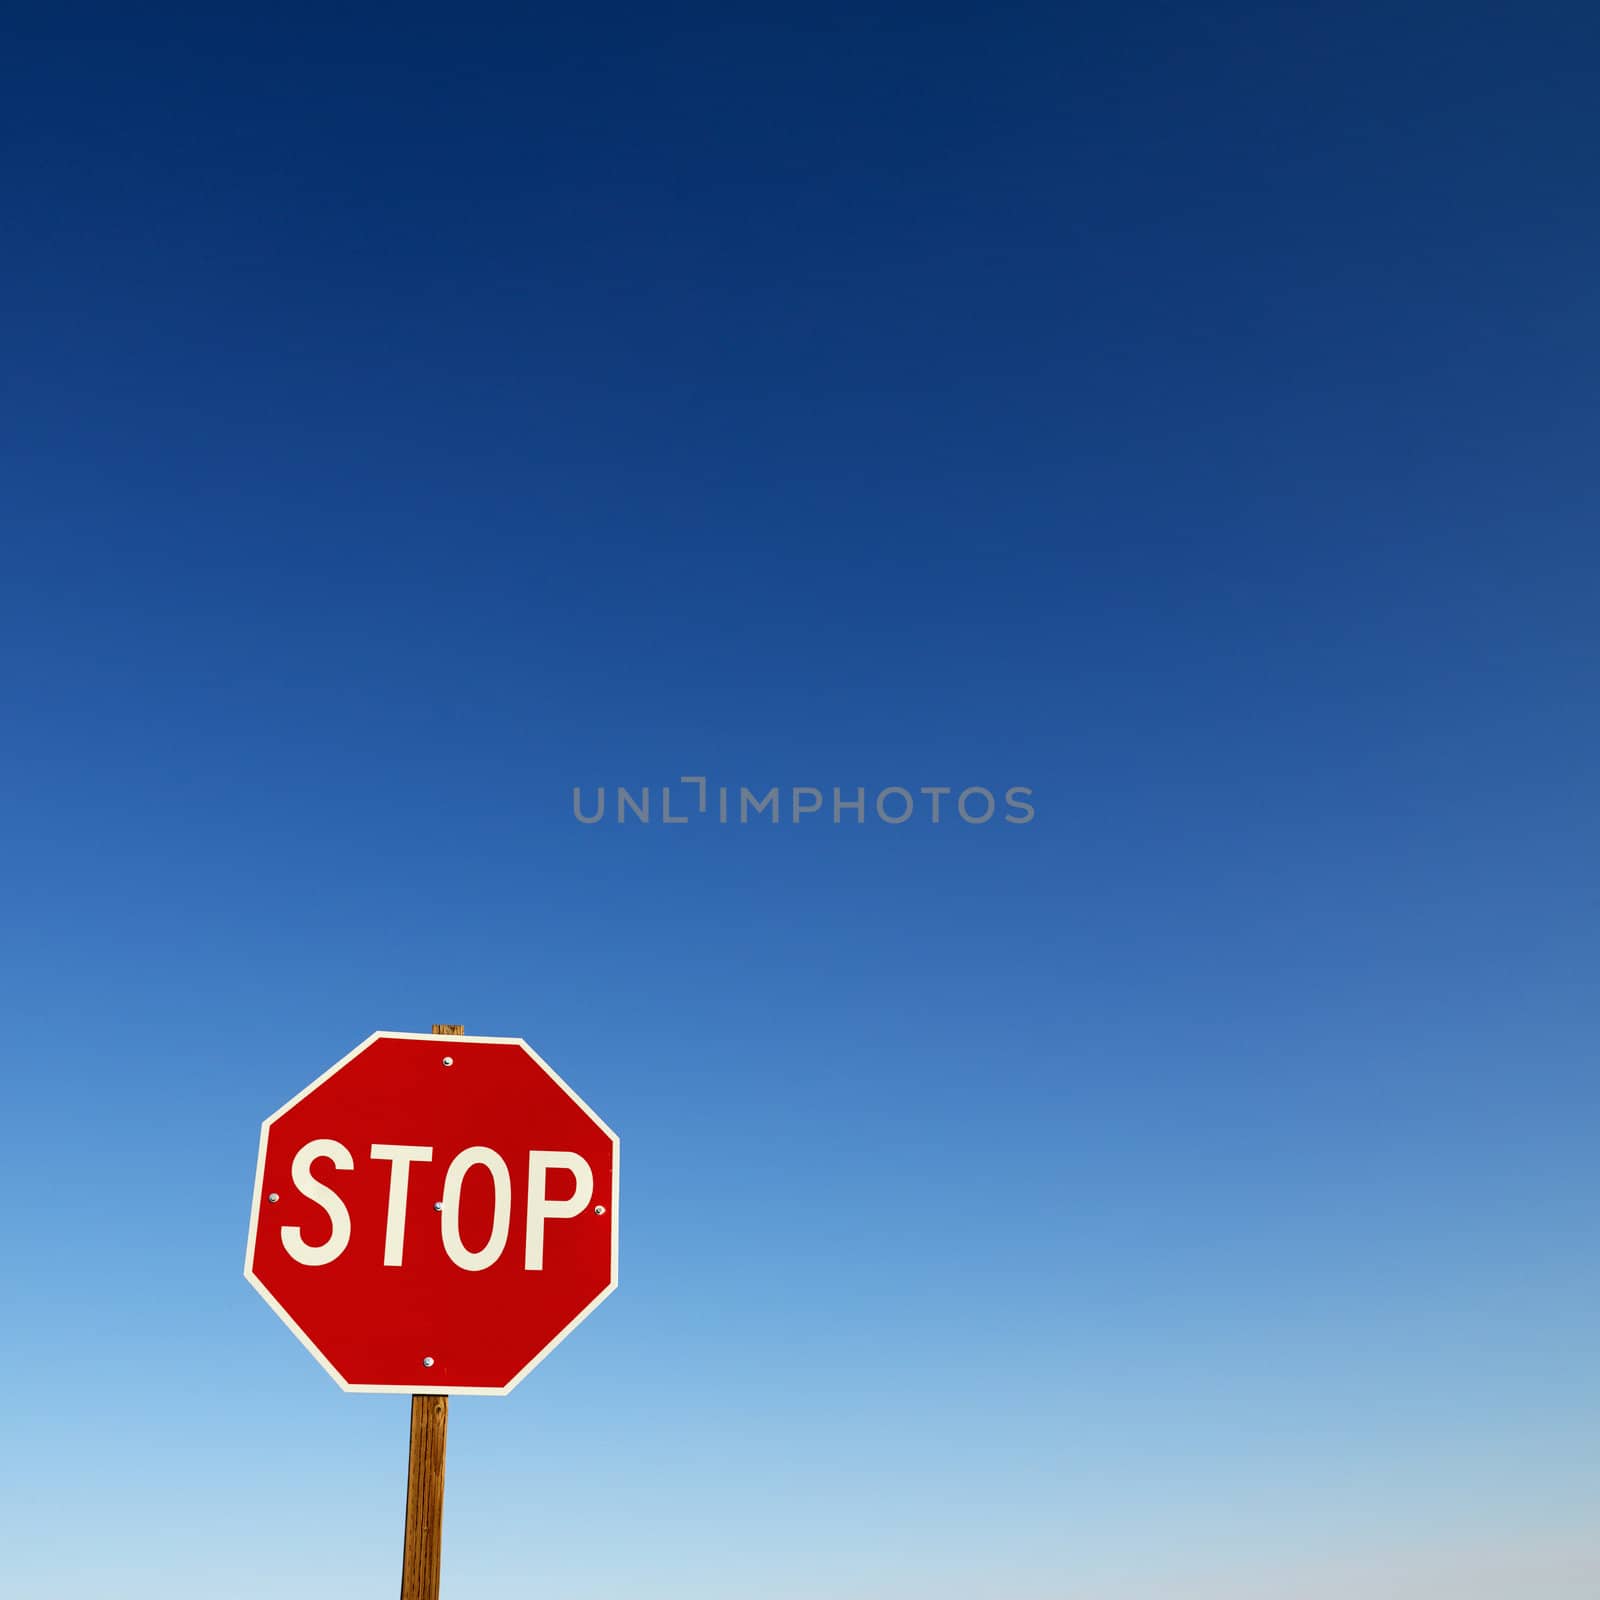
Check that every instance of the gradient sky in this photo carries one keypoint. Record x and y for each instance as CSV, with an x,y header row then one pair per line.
x,y
1188,412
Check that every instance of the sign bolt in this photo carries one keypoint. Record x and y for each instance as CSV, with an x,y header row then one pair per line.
x,y
599,1211
449,1061
438,1205
427,1361
272,1199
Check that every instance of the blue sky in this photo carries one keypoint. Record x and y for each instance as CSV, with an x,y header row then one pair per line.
x,y
1186,412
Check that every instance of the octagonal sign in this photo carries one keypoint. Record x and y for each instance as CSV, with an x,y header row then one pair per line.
x,y
434,1214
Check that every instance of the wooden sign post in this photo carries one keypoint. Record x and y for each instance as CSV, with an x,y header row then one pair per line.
x,y
430,1420
419,1564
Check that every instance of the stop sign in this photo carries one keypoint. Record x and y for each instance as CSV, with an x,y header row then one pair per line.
x,y
435,1213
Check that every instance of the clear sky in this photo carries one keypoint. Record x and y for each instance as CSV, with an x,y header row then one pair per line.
x,y
1186,412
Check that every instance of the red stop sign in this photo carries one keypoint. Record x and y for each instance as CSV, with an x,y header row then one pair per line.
x,y
435,1213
